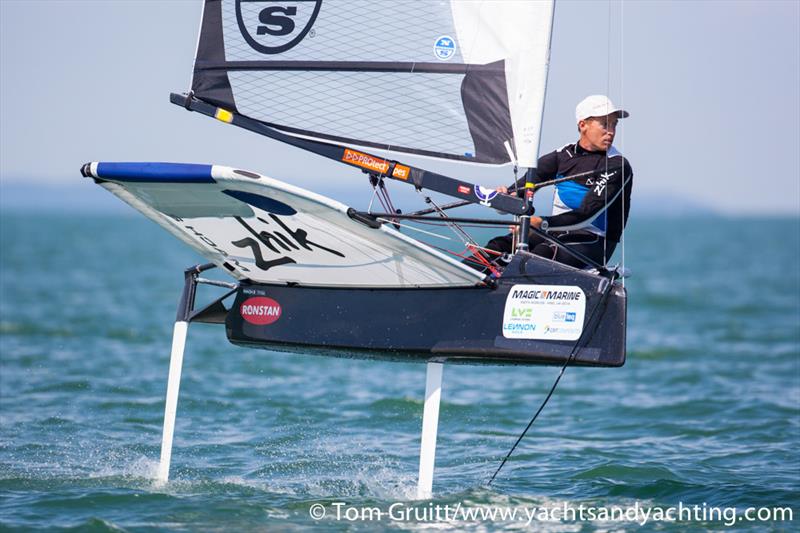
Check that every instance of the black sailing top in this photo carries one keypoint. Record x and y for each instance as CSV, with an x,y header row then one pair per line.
x,y
598,203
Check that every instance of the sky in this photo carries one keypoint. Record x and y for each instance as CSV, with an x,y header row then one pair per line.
x,y
713,89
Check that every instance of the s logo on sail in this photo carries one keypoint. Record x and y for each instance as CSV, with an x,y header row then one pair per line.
x,y
275,26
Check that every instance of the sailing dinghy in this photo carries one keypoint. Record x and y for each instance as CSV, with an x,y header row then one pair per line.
x,y
367,83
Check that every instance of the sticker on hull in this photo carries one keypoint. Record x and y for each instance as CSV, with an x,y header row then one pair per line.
x,y
544,312
260,310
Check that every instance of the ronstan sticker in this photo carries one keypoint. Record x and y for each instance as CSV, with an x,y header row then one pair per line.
x,y
260,310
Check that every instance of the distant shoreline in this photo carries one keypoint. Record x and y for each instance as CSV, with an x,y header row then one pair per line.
x,y
82,196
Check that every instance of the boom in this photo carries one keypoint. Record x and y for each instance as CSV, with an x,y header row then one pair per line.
x,y
420,178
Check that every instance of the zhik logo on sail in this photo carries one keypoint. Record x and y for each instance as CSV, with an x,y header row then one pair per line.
x,y
275,26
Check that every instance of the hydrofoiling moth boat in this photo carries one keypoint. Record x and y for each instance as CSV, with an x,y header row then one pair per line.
x,y
367,83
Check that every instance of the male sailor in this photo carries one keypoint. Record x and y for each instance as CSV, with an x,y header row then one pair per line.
x,y
589,212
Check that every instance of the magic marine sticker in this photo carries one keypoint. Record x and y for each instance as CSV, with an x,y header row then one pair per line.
x,y
544,312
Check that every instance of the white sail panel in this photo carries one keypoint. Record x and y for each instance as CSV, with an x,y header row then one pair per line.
x,y
490,32
456,79
344,30
340,103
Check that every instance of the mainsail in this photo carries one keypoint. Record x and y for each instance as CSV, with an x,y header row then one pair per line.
x,y
450,79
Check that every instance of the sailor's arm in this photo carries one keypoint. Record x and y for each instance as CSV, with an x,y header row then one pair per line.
x,y
546,169
604,190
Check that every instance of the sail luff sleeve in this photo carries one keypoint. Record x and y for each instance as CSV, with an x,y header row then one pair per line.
x,y
213,85
400,76
518,32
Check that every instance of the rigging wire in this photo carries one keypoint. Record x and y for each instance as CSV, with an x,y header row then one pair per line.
x,y
515,232
465,237
414,228
622,137
608,91
382,185
372,199
382,193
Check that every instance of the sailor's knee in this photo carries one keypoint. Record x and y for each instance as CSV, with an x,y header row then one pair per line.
x,y
500,244
544,250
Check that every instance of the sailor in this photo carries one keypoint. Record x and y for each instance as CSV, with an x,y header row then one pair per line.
x,y
589,212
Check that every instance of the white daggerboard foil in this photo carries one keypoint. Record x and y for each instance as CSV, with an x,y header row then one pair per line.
x,y
267,231
450,79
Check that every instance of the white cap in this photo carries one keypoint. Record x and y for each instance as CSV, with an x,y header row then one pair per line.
x,y
597,105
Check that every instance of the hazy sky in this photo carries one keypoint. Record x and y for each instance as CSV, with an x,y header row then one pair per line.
x,y
713,89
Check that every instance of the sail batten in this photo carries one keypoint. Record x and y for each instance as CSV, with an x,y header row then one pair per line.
x,y
350,66
456,80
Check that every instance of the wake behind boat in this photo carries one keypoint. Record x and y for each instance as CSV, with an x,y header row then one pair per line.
x,y
462,82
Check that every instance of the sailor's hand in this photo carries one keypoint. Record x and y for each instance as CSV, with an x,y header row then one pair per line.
x,y
502,190
536,222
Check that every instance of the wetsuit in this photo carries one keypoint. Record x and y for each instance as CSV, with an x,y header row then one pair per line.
x,y
589,213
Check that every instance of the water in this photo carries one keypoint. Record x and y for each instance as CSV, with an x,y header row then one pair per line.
x,y
705,412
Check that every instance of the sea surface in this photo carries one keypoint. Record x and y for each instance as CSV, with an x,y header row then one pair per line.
x,y
704,415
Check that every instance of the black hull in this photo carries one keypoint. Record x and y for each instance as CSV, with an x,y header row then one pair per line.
x,y
454,324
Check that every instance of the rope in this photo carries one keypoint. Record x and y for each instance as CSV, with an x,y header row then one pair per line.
x,y
573,353
432,234
382,193
475,259
607,290
465,237
482,259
